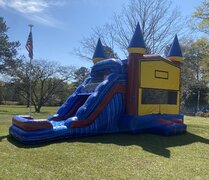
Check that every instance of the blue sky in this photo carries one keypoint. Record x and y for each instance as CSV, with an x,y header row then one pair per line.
x,y
59,25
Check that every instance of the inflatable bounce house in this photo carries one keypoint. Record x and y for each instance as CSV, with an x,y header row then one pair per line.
x,y
139,94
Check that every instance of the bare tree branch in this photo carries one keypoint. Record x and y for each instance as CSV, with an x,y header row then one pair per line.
x,y
47,79
158,19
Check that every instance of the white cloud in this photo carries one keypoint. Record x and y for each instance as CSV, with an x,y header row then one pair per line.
x,y
46,20
35,10
33,6
2,3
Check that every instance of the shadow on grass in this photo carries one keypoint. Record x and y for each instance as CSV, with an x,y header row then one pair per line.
x,y
3,137
149,142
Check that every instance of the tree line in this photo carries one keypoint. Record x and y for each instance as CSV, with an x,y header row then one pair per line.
x,y
160,20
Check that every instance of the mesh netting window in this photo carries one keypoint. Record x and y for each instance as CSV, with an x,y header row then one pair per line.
x,y
158,96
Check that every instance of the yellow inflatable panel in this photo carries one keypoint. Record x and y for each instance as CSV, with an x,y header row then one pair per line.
x,y
159,75
158,108
136,50
95,60
149,109
175,58
169,109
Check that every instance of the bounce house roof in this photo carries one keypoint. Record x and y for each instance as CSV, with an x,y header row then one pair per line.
x,y
156,57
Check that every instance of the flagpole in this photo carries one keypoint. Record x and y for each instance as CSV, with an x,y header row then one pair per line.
x,y
30,71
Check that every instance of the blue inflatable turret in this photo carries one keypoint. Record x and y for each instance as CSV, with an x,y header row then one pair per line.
x,y
99,53
175,53
137,44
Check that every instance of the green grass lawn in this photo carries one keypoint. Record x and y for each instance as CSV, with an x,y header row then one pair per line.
x,y
118,156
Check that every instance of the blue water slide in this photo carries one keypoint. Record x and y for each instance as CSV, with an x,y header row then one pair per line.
x,y
106,122
115,73
107,74
95,98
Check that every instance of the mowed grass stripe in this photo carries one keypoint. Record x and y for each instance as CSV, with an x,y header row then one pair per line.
x,y
118,156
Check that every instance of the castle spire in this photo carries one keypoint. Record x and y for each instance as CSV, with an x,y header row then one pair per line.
x,y
136,50
175,53
137,44
99,53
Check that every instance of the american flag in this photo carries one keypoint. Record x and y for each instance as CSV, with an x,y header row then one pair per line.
x,y
29,45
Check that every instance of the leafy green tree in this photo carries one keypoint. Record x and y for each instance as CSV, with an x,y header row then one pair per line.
x,y
195,73
196,56
202,16
8,49
8,93
80,75
60,96
195,98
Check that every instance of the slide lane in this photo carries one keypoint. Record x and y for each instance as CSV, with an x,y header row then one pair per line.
x,y
98,115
